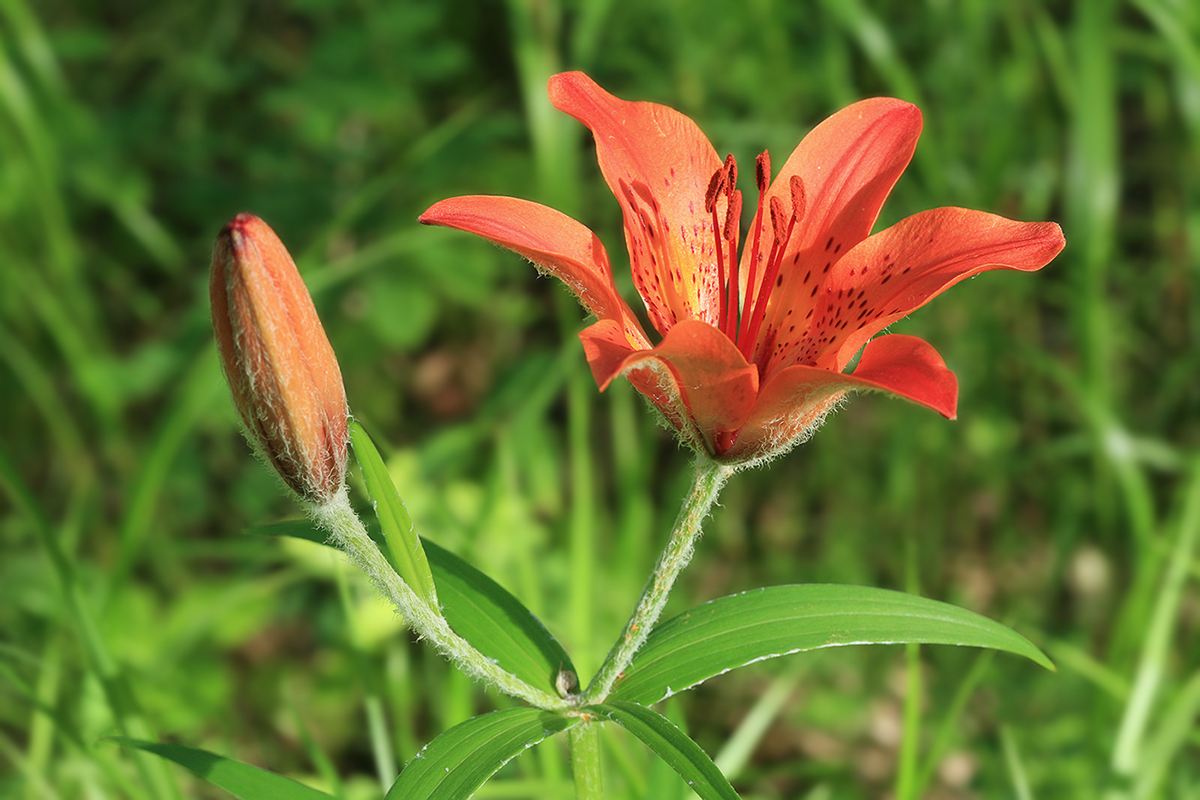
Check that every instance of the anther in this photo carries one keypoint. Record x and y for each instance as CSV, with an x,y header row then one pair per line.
x,y
779,223
730,173
733,216
715,185
799,197
762,171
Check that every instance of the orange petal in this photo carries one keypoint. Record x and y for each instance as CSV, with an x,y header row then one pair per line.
x,y
658,164
555,243
696,376
908,367
848,165
793,403
606,347
898,270
789,409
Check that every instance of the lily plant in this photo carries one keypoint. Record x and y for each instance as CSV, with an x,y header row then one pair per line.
x,y
756,339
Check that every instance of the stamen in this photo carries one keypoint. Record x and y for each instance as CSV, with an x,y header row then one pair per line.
x,y
799,197
733,219
778,221
715,187
782,234
762,177
762,171
733,215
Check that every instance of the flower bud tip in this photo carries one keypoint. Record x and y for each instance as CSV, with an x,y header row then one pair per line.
x,y
281,369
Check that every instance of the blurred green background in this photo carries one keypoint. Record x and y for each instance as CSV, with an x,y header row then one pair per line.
x,y
1064,501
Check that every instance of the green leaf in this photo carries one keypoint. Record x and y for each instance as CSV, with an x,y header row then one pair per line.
x,y
240,780
495,622
457,763
403,544
671,745
734,631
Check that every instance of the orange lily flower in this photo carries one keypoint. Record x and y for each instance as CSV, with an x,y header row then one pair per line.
x,y
754,349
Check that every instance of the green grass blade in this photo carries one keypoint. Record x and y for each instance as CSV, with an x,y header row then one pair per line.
x,y
1175,730
402,541
458,762
671,745
737,630
480,610
241,780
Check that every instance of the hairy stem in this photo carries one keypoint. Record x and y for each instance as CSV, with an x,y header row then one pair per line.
x,y
707,481
347,531
585,761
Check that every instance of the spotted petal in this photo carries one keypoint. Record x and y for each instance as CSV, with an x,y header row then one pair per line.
x,y
658,164
793,403
900,269
554,242
847,165
696,376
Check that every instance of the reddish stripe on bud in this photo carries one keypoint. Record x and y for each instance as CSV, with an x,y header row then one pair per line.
x,y
285,379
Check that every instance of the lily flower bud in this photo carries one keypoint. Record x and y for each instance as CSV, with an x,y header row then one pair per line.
x,y
281,369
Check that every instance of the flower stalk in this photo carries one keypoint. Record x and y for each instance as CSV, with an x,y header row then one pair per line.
x,y
287,387
584,740
708,478
347,531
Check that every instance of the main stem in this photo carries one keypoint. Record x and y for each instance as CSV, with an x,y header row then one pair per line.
x,y
585,761
707,481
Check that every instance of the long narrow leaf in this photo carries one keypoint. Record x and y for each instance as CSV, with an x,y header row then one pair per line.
x,y
241,780
403,543
671,745
495,622
458,762
737,630
480,610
